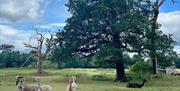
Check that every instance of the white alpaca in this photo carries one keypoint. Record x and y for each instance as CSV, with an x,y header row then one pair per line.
x,y
72,86
43,87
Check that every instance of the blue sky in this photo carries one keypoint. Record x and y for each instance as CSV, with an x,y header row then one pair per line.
x,y
17,17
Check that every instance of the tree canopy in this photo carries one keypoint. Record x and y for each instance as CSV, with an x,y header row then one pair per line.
x,y
116,26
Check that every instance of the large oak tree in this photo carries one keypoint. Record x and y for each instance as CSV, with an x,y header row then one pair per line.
x,y
114,26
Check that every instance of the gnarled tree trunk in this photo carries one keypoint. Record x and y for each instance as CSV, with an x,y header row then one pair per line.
x,y
120,72
154,65
39,66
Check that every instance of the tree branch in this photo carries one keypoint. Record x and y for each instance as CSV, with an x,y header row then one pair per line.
x,y
30,46
161,2
50,43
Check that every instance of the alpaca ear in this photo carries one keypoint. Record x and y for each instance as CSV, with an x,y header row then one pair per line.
x,y
19,77
17,82
70,78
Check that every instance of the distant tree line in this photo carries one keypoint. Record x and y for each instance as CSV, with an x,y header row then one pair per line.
x,y
9,58
15,59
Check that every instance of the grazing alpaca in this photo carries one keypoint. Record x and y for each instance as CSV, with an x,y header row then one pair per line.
x,y
21,87
136,85
43,87
72,84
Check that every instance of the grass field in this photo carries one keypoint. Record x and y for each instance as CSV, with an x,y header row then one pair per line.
x,y
88,80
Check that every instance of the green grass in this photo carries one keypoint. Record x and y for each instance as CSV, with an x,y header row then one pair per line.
x,y
87,80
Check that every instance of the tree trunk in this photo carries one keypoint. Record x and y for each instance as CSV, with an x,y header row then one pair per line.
x,y
154,27
120,72
118,56
39,66
154,65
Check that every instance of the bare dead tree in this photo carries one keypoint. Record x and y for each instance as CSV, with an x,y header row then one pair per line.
x,y
42,48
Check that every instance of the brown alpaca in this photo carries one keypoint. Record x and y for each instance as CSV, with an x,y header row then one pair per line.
x,y
136,85
21,87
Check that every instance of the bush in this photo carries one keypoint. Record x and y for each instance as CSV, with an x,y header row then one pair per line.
x,y
46,65
49,65
140,67
100,78
140,70
32,65
177,64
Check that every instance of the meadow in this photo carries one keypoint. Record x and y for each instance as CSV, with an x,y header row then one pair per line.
x,y
87,80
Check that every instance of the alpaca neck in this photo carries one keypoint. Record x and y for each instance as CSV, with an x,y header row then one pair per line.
x,y
70,87
73,81
19,86
143,83
39,85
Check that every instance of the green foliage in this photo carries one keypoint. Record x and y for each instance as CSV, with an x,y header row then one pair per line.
x,y
9,58
166,59
140,70
6,47
111,27
46,65
49,65
100,78
177,62
74,62
140,67
32,65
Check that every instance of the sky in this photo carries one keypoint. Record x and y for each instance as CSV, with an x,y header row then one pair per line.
x,y
18,17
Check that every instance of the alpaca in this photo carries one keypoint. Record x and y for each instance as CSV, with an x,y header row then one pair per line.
x,y
136,85
42,87
72,84
21,87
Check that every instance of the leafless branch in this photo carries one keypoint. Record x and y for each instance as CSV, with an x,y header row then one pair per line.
x,y
161,2
30,46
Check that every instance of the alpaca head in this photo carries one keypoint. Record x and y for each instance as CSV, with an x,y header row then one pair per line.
x,y
73,78
37,78
70,80
18,79
144,80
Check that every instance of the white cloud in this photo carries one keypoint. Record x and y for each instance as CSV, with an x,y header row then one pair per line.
x,y
170,24
6,30
10,35
51,25
17,10
177,49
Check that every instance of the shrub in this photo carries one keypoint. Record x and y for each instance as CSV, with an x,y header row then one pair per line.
x,y
177,64
46,65
32,65
100,78
140,67
49,65
140,70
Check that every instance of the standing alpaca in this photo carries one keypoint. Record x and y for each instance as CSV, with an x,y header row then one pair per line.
x,y
136,85
42,87
72,84
21,87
